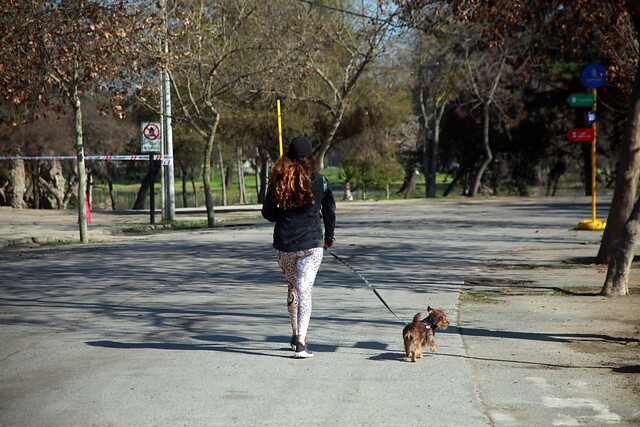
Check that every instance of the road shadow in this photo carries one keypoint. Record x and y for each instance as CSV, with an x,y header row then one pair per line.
x,y
632,369
272,346
270,352
400,357
541,336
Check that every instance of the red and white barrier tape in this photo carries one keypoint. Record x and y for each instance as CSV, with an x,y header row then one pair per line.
x,y
166,160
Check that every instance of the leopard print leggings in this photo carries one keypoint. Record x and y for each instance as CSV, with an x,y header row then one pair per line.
x,y
300,269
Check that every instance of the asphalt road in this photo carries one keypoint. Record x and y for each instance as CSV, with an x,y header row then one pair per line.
x,y
190,328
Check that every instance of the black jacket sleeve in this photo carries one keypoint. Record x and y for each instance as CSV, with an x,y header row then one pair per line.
x,y
328,212
270,207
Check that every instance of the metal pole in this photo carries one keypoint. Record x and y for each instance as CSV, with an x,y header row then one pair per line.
x,y
152,191
162,148
593,161
169,200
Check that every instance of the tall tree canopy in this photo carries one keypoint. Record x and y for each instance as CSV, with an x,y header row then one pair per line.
x,y
53,51
580,31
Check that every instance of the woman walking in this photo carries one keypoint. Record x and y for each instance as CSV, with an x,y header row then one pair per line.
x,y
299,200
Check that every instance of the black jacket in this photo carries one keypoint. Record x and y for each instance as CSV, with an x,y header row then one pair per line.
x,y
300,228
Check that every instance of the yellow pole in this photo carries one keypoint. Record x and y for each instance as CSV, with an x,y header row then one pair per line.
x,y
593,224
593,161
279,127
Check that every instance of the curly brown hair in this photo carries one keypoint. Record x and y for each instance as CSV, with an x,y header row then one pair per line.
x,y
292,181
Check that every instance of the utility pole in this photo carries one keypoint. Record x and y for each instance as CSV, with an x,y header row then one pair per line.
x,y
168,190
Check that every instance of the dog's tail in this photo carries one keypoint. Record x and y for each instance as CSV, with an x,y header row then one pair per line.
x,y
416,318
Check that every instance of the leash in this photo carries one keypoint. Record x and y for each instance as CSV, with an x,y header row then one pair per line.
x,y
367,282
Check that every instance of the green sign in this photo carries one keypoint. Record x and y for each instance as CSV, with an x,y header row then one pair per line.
x,y
580,99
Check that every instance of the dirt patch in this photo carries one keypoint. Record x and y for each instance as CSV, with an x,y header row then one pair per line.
x,y
606,330
595,324
573,348
610,325
609,333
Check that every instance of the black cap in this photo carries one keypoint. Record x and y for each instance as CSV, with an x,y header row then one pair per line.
x,y
299,148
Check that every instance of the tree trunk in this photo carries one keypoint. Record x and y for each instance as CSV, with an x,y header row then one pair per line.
x,y
206,172
185,196
82,177
228,176
617,281
486,153
194,189
627,173
53,183
149,178
35,184
241,187
72,189
328,139
264,166
426,146
455,180
112,196
17,188
409,184
223,179
433,166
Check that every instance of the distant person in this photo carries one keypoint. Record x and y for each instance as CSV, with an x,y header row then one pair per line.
x,y
348,195
299,200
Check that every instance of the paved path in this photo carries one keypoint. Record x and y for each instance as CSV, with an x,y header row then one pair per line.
x,y
190,328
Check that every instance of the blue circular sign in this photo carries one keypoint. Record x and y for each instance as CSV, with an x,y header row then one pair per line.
x,y
593,76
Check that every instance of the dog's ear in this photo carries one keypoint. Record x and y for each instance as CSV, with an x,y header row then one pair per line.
x,y
429,309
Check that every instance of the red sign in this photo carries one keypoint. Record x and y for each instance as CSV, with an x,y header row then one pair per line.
x,y
580,134
151,131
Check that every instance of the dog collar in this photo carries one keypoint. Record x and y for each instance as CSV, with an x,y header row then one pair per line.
x,y
428,324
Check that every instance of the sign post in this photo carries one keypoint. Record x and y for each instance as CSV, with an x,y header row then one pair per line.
x,y
593,77
151,143
580,135
580,100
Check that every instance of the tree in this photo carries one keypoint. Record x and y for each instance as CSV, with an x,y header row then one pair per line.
x,y
407,146
484,80
575,30
439,71
105,133
628,170
487,70
616,282
369,159
344,47
53,48
217,50
187,150
617,45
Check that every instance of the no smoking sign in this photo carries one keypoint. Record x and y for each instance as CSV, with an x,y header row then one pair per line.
x,y
151,138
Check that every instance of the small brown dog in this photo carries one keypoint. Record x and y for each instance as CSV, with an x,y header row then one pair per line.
x,y
419,333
